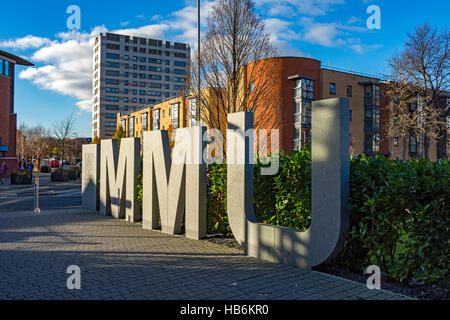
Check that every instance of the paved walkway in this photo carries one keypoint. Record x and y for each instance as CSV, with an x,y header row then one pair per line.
x,y
120,260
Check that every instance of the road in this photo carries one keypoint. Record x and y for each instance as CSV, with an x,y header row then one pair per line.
x,y
52,195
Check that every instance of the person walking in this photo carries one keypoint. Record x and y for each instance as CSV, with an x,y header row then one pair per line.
x,y
22,165
30,167
3,170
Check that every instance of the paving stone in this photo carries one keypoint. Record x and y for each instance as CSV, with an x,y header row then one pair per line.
x,y
119,260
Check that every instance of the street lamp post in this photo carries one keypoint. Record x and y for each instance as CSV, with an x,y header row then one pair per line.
x,y
198,64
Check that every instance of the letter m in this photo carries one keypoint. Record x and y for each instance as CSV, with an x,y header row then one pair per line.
x,y
174,187
118,178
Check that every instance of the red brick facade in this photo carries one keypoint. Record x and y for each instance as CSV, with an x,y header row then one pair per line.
x,y
8,119
8,125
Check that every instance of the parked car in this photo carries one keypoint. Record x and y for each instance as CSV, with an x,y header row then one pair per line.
x,y
54,163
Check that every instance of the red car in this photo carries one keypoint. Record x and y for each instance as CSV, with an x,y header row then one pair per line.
x,y
54,163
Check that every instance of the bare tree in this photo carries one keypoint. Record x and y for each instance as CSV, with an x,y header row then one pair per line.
x,y
235,74
63,130
22,144
419,77
39,143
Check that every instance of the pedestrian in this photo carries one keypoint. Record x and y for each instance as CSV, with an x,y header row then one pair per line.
x,y
30,167
3,170
22,165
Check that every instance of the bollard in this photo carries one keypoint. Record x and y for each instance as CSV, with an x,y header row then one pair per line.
x,y
36,196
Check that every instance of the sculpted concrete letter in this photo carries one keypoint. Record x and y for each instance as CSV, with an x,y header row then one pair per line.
x,y
90,175
175,185
330,184
118,178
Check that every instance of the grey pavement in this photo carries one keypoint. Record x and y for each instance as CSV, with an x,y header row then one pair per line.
x,y
120,260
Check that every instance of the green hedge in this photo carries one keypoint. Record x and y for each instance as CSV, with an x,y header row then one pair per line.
x,y
399,211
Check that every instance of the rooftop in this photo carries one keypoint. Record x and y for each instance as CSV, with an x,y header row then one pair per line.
x,y
16,59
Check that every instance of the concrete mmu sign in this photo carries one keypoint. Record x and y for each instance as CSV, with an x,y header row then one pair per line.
x,y
174,186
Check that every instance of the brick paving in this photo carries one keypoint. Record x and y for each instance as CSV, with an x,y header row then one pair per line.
x,y
120,260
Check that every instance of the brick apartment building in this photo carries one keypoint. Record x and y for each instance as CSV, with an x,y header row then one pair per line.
x,y
8,119
297,82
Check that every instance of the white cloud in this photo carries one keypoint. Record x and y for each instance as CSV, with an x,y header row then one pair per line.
x,y
67,66
353,20
156,17
141,16
324,34
300,7
28,42
149,31
124,23
362,48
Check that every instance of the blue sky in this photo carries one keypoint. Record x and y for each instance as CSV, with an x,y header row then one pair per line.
x,y
333,31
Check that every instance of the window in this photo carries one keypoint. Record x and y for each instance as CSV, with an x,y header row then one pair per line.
x,y
110,98
110,124
251,86
412,145
111,107
368,95
113,55
110,115
112,64
349,91
413,106
179,64
156,119
158,69
396,141
377,95
112,73
376,143
175,115
131,127
1,66
192,112
371,142
177,71
145,121
112,90
332,88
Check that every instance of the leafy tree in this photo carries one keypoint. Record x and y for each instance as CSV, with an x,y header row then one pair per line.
x,y
96,140
119,134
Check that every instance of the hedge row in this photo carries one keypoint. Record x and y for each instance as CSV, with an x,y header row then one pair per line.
x,y
399,211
